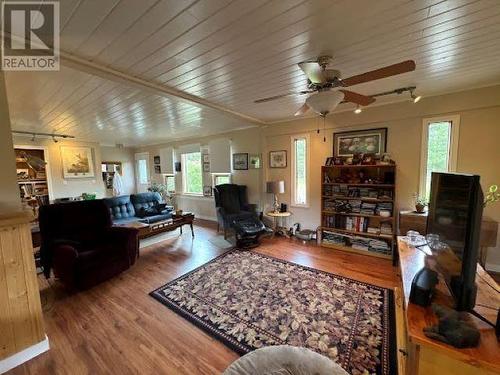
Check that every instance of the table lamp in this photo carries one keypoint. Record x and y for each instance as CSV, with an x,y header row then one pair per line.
x,y
275,187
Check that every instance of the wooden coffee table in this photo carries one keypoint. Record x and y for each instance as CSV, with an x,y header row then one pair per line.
x,y
148,230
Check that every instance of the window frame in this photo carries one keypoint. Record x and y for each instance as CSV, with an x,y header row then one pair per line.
x,y
215,175
184,174
167,176
293,138
453,147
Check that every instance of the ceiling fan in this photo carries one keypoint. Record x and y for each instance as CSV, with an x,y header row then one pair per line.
x,y
322,83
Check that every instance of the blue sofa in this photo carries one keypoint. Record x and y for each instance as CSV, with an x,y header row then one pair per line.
x,y
138,207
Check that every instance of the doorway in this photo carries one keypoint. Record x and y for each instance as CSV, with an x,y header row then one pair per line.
x,y
142,173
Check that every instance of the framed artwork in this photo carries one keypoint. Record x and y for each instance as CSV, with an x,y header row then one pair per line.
x,y
206,167
156,159
277,159
207,191
254,162
372,141
240,162
77,162
157,169
206,158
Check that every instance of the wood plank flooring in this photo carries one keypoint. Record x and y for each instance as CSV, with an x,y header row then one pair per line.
x,y
117,328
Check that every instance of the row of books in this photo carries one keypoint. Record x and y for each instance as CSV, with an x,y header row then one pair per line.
x,y
356,223
357,206
356,242
355,192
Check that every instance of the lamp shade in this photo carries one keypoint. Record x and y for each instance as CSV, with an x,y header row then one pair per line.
x,y
275,187
325,101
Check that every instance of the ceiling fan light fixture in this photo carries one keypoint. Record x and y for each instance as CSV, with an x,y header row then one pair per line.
x,y
325,102
358,110
415,98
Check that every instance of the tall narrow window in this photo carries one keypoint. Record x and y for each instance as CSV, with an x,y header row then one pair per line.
x,y
191,173
170,182
439,149
300,173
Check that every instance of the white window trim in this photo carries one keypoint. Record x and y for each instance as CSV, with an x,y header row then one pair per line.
x,y
214,175
184,182
292,171
455,133
165,176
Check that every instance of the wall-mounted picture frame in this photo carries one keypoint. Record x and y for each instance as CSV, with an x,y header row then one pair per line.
x,y
177,166
206,158
254,161
156,159
77,162
207,191
206,167
277,159
240,162
370,141
158,169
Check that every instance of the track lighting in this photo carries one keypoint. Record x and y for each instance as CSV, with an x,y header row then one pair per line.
x,y
358,110
33,138
415,98
54,139
34,135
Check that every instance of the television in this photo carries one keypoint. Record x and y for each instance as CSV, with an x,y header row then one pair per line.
x,y
455,212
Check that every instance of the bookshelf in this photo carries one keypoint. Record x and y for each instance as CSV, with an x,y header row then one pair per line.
x,y
358,209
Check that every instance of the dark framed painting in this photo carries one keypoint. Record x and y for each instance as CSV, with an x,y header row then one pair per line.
x,y
277,159
157,169
156,159
371,141
240,162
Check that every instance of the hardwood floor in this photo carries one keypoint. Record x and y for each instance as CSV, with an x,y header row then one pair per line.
x,y
117,328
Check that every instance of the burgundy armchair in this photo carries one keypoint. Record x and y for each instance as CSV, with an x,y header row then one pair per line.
x,y
79,243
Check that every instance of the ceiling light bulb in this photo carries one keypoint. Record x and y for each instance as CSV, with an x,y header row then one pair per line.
x,y
358,110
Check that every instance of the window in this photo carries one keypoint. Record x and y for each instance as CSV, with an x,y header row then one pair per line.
x,y
221,178
191,173
439,149
300,174
142,167
170,182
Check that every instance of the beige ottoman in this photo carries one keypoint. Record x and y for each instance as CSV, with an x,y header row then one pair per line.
x,y
284,360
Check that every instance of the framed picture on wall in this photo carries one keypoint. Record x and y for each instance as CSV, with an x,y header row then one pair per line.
x,y
371,141
207,191
206,158
206,167
77,162
240,162
156,159
158,169
277,159
254,162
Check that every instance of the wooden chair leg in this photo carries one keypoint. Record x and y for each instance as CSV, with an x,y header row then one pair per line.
x,y
218,227
225,233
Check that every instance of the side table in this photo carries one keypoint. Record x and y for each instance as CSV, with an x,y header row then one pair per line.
x,y
280,222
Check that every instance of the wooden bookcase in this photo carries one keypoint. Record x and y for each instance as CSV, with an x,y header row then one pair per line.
x,y
352,200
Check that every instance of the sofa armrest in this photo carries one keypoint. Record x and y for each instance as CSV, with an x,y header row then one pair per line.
x,y
64,260
126,239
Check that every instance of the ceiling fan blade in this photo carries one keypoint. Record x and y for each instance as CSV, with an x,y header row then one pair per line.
x,y
388,71
356,98
302,110
263,100
313,71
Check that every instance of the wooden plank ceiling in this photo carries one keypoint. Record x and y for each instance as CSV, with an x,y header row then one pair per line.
x,y
232,52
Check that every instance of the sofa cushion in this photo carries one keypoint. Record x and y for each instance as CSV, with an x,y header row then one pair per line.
x,y
120,207
147,212
145,200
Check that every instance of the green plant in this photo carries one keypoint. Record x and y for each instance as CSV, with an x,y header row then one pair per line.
x,y
162,189
493,195
420,201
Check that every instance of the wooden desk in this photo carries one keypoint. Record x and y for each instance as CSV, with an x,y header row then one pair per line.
x,y
426,356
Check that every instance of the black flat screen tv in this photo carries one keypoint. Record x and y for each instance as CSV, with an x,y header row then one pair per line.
x,y
455,212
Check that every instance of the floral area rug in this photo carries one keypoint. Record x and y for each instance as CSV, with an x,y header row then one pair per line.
x,y
248,301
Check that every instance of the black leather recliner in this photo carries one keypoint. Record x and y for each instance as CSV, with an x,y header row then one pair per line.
x,y
236,214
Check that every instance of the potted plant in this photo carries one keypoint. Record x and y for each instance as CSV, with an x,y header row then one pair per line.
x,y
420,203
168,197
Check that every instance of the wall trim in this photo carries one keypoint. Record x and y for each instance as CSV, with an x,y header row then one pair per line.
x,y
24,355
203,217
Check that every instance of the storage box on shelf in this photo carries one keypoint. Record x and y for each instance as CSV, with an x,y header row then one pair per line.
x,y
358,208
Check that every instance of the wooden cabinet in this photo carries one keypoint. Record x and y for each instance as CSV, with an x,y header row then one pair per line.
x,y
419,355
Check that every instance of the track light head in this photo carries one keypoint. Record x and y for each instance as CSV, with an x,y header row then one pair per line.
x,y
414,97
54,139
358,110
33,138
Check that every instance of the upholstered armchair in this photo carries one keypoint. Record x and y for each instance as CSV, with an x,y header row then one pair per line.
x,y
80,245
232,205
